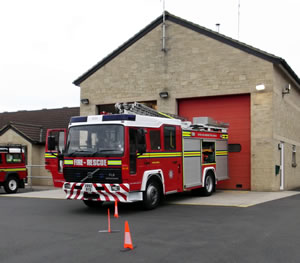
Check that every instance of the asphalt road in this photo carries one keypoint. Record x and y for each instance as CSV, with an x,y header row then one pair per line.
x,y
43,230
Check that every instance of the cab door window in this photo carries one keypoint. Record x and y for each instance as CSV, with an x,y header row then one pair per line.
x,y
170,138
155,142
137,145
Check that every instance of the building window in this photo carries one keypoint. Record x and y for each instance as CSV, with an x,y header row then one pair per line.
x,y
170,138
294,162
155,140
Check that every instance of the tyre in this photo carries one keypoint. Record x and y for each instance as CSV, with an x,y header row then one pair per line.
x,y
11,185
92,204
152,196
209,185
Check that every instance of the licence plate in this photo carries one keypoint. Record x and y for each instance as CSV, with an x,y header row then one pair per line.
x,y
89,188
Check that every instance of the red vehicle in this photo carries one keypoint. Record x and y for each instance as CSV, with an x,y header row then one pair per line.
x,y
52,163
129,157
13,172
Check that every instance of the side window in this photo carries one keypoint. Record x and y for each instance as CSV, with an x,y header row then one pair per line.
x,y
0,158
170,138
13,158
155,140
208,152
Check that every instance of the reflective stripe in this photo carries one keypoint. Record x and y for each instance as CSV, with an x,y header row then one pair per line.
x,y
50,155
161,155
114,162
219,153
68,162
186,134
12,169
192,154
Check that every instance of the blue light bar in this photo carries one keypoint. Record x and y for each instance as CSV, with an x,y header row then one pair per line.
x,y
78,119
118,117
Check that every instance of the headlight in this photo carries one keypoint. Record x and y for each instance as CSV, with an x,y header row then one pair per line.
x,y
67,186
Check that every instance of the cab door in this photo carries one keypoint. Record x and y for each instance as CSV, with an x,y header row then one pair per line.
x,y
171,158
55,144
138,158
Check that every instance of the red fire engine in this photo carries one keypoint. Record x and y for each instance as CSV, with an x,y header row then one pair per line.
x,y
13,170
132,157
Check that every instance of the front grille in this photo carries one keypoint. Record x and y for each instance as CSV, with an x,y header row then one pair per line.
x,y
104,175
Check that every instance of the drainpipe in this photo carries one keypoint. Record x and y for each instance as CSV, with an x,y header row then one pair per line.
x,y
281,165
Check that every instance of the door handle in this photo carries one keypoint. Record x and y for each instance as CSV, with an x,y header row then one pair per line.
x,y
146,163
175,162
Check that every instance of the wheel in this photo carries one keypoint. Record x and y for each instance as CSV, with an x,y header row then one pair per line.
x,y
93,204
152,195
11,185
209,185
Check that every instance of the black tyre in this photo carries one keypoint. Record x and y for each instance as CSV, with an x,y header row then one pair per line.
x,y
152,196
93,204
209,185
11,185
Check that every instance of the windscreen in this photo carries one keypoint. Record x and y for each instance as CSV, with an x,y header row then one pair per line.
x,y
95,140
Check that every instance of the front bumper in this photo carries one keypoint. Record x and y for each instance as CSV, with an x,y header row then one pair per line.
x,y
98,192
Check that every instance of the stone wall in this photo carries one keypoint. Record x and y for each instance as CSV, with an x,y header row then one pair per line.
x,y
286,125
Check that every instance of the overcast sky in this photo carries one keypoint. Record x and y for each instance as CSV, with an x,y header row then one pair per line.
x,y
45,45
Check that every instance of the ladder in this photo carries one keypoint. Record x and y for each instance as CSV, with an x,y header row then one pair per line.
x,y
140,109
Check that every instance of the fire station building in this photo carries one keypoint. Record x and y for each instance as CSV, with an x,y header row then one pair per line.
x,y
182,68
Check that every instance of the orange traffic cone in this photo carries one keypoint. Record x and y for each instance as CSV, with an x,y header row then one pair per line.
x,y
116,215
127,238
108,221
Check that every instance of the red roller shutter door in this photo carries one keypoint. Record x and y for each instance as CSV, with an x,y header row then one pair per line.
x,y
234,110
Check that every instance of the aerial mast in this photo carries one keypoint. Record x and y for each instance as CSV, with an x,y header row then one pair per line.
x,y
164,28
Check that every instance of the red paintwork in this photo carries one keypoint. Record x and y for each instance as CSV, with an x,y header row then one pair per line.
x,y
51,162
234,110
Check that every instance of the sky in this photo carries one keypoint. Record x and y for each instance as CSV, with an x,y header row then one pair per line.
x,y
45,45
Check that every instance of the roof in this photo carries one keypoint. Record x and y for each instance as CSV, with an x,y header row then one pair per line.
x,y
202,30
33,125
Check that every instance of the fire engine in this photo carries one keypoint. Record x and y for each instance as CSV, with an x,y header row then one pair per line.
x,y
13,172
140,155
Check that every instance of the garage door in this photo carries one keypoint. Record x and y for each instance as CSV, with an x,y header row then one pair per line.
x,y
234,110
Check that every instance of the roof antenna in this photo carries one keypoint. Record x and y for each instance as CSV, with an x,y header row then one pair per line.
x,y
218,27
164,28
239,5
